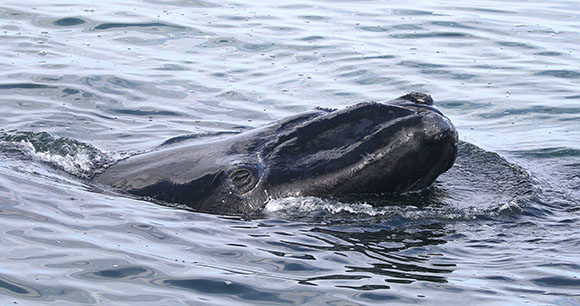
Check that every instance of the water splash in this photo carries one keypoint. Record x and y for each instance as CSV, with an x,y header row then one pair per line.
x,y
317,207
332,211
72,156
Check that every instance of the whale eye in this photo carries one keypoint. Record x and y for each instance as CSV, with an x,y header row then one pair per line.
x,y
244,179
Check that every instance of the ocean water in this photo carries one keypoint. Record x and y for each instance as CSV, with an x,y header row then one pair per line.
x,y
86,83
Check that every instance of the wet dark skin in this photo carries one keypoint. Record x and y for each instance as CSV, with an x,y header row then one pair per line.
x,y
373,147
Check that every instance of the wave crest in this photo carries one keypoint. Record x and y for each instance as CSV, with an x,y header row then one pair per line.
x,y
72,156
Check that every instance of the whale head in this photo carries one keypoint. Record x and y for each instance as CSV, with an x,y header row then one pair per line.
x,y
397,146
389,147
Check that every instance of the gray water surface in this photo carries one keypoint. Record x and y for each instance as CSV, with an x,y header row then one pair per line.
x,y
84,84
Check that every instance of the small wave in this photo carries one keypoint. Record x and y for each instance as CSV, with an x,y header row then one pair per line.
x,y
72,156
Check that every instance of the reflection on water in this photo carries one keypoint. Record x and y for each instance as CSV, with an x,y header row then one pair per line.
x,y
402,269
86,84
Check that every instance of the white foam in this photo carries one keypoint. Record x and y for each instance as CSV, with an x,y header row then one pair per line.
x,y
510,206
305,207
83,163
318,205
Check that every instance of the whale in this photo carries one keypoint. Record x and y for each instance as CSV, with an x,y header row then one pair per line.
x,y
379,147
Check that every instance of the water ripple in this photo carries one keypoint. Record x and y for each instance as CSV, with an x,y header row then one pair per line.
x,y
151,25
68,22
566,74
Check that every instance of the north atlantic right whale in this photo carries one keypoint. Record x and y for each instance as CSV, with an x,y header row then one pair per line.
x,y
389,147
